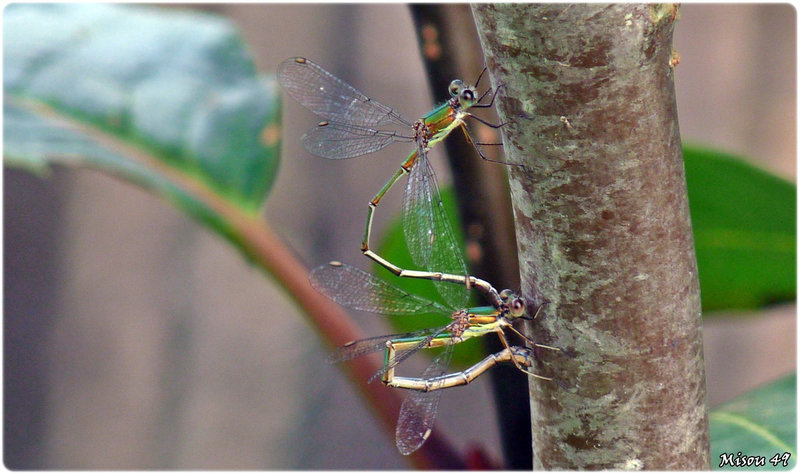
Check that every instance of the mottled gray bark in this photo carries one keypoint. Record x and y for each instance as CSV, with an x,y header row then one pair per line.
x,y
603,232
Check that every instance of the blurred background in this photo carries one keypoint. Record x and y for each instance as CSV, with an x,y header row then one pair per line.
x,y
135,339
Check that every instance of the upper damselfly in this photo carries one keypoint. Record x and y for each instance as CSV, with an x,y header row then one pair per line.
x,y
355,125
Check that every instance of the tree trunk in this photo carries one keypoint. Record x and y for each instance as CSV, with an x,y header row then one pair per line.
x,y
603,232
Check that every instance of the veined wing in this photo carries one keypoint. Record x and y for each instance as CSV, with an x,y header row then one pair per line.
x,y
336,140
361,347
363,291
429,235
446,256
417,213
419,409
331,98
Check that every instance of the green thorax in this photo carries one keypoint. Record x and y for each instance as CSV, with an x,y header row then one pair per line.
x,y
441,121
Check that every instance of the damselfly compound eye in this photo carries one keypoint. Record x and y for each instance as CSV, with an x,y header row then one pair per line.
x,y
517,307
506,295
455,87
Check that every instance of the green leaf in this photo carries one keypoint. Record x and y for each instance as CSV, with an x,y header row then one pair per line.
x,y
760,423
744,222
393,248
127,88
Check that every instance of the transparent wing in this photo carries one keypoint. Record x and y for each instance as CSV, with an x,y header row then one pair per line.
x,y
417,212
429,235
418,412
361,347
335,140
331,98
446,254
357,289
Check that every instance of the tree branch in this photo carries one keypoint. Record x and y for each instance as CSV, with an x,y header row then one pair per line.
x,y
450,47
603,232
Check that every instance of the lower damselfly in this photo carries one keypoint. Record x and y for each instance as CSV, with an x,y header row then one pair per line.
x,y
362,291
354,125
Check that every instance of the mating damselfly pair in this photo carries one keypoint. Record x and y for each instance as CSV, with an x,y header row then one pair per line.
x,y
355,125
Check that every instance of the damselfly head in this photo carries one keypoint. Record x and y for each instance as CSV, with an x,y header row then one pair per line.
x,y
463,93
515,304
523,355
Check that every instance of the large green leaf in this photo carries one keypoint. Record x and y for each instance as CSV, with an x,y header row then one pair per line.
x,y
762,423
128,89
744,222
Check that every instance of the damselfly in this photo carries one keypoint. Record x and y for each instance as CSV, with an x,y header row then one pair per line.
x,y
354,125
362,291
